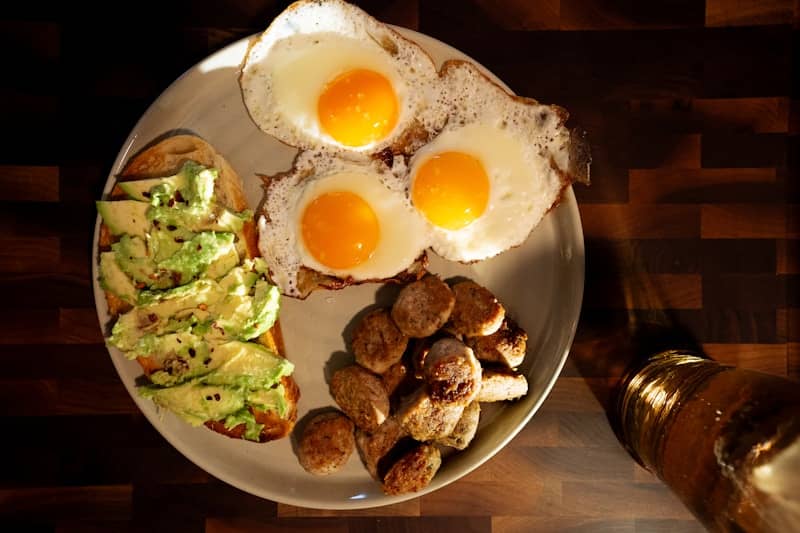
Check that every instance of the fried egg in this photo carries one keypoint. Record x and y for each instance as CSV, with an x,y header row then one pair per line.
x,y
340,218
325,75
493,172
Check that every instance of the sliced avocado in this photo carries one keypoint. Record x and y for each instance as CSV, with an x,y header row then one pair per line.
x,y
165,241
182,356
113,279
194,256
196,403
140,189
224,263
198,219
244,416
168,303
125,217
133,258
247,365
272,399
266,304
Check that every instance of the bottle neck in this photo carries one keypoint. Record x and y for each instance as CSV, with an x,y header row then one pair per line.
x,y
650,398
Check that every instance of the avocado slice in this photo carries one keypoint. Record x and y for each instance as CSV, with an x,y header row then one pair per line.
x,y
247,365
272,399
125,217
195,402
140,189
113,279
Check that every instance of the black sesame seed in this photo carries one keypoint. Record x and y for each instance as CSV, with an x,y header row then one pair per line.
x,y
208,360
192,353
208,398
172,228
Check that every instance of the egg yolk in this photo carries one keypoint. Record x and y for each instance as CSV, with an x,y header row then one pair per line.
x,y
451,189
340,229
358,107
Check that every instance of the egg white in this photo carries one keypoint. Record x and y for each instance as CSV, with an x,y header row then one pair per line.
x,y
309,45
403,236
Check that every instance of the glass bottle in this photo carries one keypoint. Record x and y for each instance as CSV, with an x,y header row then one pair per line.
x,y
724,439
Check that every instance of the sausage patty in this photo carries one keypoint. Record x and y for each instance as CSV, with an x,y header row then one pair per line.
x,y
326,443
452,372
506,346
413,471
476,311
377,342
423,307
361,395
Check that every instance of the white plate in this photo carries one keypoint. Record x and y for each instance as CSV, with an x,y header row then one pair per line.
x,y
540,284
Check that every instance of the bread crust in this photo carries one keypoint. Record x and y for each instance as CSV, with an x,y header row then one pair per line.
x,y
165,158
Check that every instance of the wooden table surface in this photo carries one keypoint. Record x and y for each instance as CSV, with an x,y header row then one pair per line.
x,y
691,108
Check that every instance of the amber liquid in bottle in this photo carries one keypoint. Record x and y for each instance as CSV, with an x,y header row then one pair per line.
x,y
724,439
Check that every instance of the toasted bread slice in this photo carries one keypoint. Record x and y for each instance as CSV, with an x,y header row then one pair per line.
x,y
165,158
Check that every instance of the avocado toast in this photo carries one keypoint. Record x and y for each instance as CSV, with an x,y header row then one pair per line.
x,y
188,296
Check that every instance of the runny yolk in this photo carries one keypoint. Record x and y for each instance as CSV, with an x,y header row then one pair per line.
x,y
340,229
451,189
358,107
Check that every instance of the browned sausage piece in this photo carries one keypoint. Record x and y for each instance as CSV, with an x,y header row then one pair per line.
x,y
423,307
501,385
452,372
394,377
377,341
505,346
361,395
425,420
466,428
374,446
413,471
326,444
476,311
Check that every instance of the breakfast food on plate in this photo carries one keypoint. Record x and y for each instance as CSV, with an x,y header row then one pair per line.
x,y
423,307
397,158
326,443
327,75
465,429
414,470
501,385
378,343
331,223
360,394
188,297
405,421
506,346
476,311
498,165
452,372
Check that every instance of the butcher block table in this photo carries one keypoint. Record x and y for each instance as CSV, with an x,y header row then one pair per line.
x,y
691,109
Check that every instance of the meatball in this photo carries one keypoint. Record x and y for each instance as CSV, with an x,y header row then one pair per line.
x,y
361,395
377,341
423,307
413,471
326,443
452,372
505,346
476,311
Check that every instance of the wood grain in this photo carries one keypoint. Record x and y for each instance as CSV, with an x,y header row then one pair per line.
x,y
692,112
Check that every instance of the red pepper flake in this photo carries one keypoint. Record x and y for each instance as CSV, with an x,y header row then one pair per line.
x,y
152,317
202,307
171,202
217,396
